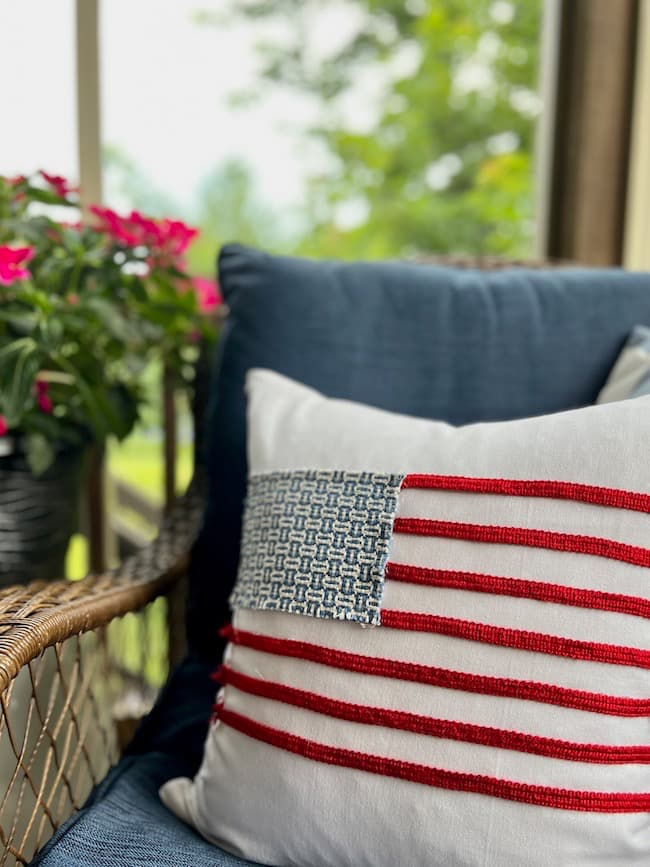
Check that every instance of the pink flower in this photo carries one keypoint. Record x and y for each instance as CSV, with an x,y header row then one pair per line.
x,y
145,230
133,230
45,403
61,186
11,259
43,399
4,427
113,225
16,181
72,298
167,240
207,293
177,236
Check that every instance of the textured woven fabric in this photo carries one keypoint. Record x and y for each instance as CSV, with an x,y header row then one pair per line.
x,y
316,543
127,826
458,345
498,714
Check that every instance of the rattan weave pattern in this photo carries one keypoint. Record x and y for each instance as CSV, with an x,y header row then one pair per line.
x,y
56,741
60,679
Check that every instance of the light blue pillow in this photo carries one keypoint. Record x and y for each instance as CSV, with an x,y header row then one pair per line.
x,y
630,376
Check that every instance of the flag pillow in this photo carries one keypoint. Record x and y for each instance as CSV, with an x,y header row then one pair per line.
x,y
630,376
440,643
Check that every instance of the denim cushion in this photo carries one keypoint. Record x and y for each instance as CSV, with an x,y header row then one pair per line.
x,y
126,825
437,342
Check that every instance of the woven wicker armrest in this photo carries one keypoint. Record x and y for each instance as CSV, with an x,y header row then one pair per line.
x,y
60,677
41,614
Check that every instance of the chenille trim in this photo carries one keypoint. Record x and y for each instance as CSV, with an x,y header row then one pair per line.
x,y
545,693
551,540
595,494
603,754
519,587
541,796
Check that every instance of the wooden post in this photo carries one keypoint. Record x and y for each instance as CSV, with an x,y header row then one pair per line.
x,y
169,437
596,67
88,103
96,515
637,224
90,178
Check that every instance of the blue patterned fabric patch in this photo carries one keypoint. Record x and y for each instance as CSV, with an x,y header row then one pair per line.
x,y
315,542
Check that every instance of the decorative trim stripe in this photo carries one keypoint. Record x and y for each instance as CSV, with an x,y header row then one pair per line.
x,y
551,540
541,796
519,587
535,642
595,494
554,748
544,693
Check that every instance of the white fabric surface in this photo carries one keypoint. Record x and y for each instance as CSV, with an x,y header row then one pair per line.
x,y
278,808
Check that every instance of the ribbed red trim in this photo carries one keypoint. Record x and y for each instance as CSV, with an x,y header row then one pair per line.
x,y
600,496
541,796
446,679
554,748
536,642
572,542
519,587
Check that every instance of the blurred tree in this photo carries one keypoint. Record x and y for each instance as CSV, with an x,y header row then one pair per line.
x,y
426,109
228,209
129,187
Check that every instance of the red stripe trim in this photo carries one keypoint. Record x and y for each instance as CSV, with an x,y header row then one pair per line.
x,y
430,726
519,587
444,678
572,542
600,496
541,796
535,642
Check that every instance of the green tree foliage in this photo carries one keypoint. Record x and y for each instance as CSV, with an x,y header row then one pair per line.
x,y
446,161
228,209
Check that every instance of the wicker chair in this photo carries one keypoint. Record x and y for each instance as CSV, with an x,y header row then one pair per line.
x,y
69,700
57,636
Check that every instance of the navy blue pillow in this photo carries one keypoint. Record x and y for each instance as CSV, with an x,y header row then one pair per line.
x,y
437,342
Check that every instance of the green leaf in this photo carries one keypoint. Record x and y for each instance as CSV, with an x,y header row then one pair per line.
x,y
20,320
48,198
113,320
18,371
105,416
39,453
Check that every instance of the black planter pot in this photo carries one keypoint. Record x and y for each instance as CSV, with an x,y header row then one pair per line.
x,y
38,514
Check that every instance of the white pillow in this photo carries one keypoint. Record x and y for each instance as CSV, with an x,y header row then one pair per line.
x,y
440,649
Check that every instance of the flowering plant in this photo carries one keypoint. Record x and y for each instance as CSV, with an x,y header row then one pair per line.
x,y
83,310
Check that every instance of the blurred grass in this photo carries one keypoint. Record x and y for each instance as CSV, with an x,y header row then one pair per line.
x,y
138,461
139,641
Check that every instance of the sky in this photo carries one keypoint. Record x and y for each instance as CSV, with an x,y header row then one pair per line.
x,y
165,87
165,83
